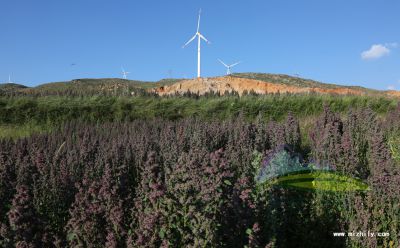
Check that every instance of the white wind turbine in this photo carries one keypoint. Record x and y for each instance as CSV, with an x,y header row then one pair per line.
x,y
228,67
199,36
124,73
9,79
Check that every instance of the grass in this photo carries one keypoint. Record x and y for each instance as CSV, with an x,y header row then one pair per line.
x,y
20,116
21,131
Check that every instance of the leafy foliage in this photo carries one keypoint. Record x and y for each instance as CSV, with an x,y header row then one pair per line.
x,y
21,116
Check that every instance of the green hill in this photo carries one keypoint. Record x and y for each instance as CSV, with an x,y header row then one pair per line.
x,y
9,87
84,87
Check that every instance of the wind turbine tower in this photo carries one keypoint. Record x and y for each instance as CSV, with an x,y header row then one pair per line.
x,y
9,79
199,37
124,73
228,67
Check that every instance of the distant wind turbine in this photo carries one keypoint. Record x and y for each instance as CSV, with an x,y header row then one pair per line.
x,y
124,73
9,79
199,36
228,67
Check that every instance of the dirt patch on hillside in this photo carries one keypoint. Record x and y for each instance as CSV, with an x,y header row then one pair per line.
x,y
393,93
229,84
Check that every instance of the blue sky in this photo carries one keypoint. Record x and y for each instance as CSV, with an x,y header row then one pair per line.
x,y
337,41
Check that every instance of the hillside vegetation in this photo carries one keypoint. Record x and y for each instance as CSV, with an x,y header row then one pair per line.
x,y
260,83
85,87
11,87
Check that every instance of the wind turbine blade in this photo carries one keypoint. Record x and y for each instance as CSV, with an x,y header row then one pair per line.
x,y
235,64
190,40
223,63
122,68
204,38
198,22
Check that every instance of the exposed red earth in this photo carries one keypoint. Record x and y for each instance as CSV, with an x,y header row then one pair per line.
x,y
229,84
